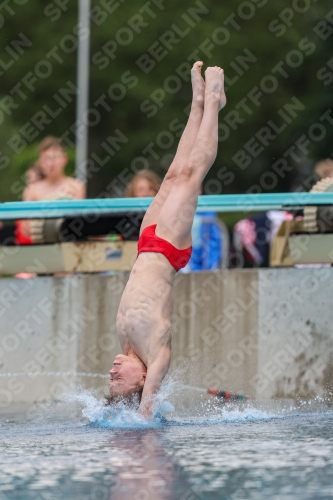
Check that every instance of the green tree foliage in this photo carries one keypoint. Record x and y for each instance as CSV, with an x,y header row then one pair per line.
x,y
277,58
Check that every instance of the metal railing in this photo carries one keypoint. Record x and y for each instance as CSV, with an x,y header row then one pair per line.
x,y
217,203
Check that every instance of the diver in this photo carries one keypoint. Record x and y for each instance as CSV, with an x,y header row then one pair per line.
x,y
164,247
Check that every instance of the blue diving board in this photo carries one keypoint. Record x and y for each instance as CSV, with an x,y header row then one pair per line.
x,y
216,203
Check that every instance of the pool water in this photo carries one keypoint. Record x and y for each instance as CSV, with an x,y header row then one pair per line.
x,y
65,451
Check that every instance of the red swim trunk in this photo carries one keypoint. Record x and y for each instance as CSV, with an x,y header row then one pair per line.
x,y
150,242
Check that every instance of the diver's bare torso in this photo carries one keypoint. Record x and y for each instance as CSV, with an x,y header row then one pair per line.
x,y
145,311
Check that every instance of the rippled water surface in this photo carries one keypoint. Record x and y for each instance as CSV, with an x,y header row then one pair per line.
x,y
238,453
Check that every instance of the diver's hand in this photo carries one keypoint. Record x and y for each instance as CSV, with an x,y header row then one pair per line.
x,y
145,410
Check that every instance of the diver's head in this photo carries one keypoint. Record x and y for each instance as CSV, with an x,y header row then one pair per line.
x,y
127,376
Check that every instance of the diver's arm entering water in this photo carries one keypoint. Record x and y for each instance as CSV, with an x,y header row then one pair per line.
x,y
156,372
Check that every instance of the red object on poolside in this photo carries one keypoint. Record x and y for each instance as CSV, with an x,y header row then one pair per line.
x,y
214,392
227,396
20,237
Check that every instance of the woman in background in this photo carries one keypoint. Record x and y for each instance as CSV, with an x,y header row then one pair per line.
x,y
144,184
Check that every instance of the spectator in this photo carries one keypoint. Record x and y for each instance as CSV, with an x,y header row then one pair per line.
x,y
55,184
32,175
209,242
22,237
324,168
253,236
143,185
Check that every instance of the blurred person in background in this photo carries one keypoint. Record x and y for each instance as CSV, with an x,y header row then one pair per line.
x,y
55,184
144,184
324,169
253,236
209,242
32,175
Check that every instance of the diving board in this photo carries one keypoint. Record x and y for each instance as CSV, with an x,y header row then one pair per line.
x,y
216,203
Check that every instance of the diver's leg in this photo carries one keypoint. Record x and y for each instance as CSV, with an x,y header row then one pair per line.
x,y
176,217
184,148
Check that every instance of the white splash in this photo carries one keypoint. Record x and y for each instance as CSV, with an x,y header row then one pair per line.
x,y
122,414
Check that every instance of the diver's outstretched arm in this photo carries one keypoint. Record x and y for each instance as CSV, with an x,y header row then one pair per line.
x,y
156,372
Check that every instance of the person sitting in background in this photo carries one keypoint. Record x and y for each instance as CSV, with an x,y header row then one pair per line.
x,y
144,184
208,240
253,236
32,175
55,184
324,168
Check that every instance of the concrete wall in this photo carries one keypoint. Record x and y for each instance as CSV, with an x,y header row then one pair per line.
x,y
295,333
266,333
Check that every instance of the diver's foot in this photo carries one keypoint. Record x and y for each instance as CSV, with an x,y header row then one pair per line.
x,y
198,83
214,92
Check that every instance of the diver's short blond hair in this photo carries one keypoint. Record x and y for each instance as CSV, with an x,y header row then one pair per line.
x,y
133,399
